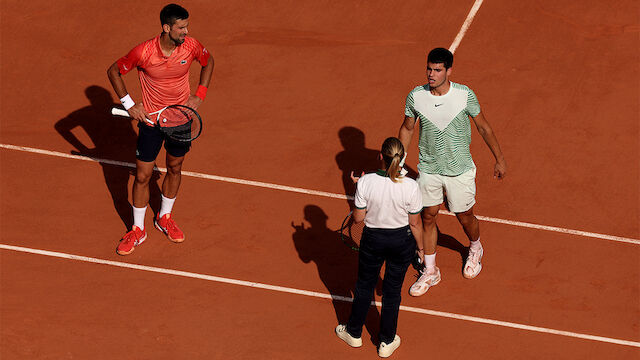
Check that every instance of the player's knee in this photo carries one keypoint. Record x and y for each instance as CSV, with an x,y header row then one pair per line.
x,y
466,218
429,217
143,177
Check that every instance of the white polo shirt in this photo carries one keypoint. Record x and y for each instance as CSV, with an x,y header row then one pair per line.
x,y
388,204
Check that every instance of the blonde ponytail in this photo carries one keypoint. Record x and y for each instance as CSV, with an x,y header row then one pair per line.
x,y
392,154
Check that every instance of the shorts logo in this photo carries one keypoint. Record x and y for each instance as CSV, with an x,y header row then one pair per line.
x,y
182,62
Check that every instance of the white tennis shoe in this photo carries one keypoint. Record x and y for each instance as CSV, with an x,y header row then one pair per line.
x,y
341,331
473,265
425,281
385,350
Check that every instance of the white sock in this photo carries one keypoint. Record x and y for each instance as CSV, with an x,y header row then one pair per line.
x,y
475,245
166,206
430,263
138,216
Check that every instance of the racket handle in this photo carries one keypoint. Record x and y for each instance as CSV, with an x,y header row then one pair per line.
x,y
120,112
125,113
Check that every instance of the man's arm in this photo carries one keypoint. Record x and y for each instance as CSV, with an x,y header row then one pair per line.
x,y
137,111
485,130
195,101
406,132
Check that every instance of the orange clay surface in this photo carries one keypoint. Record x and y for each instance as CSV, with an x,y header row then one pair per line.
x,y
304,92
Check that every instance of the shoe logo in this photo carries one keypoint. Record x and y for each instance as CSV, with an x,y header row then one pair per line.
x,y
439,104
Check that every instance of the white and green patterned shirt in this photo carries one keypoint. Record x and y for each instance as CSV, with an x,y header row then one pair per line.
x,y
445,129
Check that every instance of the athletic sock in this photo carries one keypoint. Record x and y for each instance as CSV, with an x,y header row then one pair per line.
x,y
430,263
475,245
138,216
166,206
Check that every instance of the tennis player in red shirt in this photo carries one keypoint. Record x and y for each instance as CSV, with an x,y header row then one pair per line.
x,y
163,69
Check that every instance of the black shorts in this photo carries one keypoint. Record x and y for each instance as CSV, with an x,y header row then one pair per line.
x,y
150,141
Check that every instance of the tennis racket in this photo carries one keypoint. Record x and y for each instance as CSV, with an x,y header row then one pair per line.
x,y
417,263
351,233
178,122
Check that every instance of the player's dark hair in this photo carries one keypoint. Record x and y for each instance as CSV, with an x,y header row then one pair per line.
x,y
392,154
171,13
441,56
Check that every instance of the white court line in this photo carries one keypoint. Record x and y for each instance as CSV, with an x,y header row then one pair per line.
x,y
319,193
317,295
465,26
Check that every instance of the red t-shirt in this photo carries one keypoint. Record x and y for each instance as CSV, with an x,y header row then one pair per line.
x,y
164,79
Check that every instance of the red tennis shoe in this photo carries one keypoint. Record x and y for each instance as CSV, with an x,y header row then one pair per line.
x,y
169,228
130,240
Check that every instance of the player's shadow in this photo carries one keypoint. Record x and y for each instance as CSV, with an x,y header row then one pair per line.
x,y
358,158
337,263
108,138
450,242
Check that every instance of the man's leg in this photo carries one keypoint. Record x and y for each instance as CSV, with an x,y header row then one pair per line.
x,y
140,192
171,182
170,186
429,229
431,274
140,195
461,195
469,222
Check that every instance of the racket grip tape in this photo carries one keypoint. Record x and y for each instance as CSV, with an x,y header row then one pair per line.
x,y
122,112
119,112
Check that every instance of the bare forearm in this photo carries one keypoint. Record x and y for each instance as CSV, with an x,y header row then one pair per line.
x,y
405,137
116,81
492,142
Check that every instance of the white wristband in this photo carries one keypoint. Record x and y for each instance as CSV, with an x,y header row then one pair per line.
x,y
127,102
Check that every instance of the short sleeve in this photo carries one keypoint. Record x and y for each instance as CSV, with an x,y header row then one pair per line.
x,y
360,202
473,106
415,200
131,60
200,53
409,109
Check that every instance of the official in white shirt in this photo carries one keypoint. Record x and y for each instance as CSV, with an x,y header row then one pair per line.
x,y
390,206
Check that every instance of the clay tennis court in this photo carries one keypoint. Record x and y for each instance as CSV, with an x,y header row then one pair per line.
x,y
304,92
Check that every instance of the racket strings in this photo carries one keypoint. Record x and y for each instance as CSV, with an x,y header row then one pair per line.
x,y
180,123
351,233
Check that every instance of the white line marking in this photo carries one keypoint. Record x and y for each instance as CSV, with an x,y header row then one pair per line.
x,y
318,193
465,26
316,294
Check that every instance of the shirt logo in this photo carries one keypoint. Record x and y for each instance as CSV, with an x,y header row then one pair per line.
x,y
439,104
182,62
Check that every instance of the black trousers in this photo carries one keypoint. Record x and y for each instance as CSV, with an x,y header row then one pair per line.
x,y
396,247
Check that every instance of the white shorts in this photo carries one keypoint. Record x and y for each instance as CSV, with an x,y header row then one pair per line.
x,y
461,190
